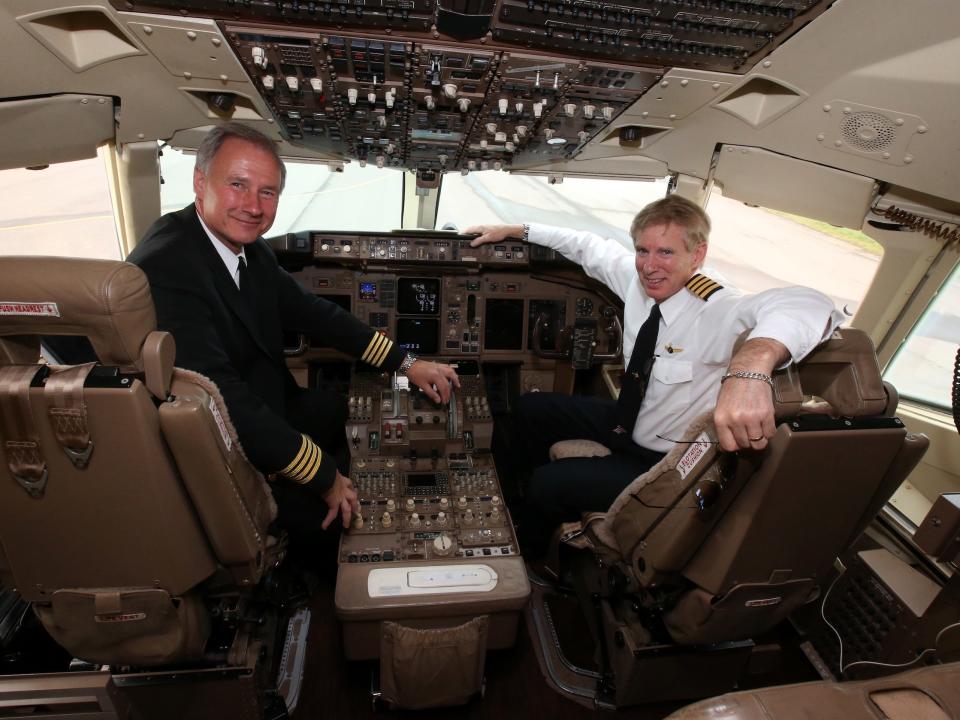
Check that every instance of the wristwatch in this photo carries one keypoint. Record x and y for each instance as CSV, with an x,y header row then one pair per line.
x,y
407,363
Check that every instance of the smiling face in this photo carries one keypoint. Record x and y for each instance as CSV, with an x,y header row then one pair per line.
x,y
664,263
237,197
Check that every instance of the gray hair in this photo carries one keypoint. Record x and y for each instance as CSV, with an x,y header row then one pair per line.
x,y
678,210
210,145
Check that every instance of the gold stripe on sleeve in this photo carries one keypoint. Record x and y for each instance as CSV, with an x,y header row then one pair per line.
x,y
702,286
305,464
373,347
382,355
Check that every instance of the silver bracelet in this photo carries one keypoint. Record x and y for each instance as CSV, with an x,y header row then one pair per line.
x,y
747,375
526,232
406,364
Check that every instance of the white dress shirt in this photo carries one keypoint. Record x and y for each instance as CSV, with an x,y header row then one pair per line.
x,y
230,259
696,337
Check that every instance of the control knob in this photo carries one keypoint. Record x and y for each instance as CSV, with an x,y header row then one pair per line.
x,y
386,520
443,545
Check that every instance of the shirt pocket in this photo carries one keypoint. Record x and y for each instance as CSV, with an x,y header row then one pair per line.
x,y
676,376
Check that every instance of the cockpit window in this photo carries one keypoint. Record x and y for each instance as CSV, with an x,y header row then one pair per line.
x,y
63,210
605,207
757,249
315,197
752,248
922,369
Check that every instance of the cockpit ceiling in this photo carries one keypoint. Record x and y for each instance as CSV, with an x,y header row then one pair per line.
x,y
476,84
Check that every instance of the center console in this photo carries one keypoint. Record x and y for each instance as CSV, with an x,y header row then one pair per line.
x,y
432,545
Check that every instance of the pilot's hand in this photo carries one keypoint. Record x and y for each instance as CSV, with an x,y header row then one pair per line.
x,y
434,379
493,233
744,415
341,500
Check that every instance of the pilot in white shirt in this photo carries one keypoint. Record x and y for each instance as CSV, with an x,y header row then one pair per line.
x,y
691,369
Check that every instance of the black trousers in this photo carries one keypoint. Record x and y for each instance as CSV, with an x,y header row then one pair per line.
x,y
561,491
321,414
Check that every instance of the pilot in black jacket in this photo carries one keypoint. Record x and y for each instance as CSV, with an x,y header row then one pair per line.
x,y
235,338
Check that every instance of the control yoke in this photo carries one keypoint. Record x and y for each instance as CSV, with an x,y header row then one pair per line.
x,y
579,341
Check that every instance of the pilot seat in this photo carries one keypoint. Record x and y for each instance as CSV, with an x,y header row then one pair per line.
x,y
709,549
130,519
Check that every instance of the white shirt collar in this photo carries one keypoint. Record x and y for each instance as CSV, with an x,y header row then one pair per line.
x,y
230,259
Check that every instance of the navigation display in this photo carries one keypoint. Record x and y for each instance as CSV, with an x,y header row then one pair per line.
x,y
418,336
418,296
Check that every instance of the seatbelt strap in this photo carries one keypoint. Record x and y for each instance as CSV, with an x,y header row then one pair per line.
x,y
21,443
68,412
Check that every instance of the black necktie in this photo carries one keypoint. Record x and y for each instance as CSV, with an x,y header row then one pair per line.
x,y
634,384
246,285
243,275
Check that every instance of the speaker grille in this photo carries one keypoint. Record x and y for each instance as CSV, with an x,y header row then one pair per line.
x,y
868,131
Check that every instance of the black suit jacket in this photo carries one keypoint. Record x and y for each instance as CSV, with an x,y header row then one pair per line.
x,y
239,344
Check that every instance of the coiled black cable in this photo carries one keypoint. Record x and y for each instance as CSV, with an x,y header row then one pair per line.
x,y
955,396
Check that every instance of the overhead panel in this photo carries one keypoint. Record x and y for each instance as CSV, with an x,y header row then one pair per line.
x,y
725,35
430,106
472,84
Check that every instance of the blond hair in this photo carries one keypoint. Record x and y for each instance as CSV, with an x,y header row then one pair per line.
x,y
674,209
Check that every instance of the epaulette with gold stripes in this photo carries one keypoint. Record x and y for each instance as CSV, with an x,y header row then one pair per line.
x,y
305,464
702,286
377,350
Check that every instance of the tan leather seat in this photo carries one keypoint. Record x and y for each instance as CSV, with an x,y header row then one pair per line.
x,y
709,547
124,495
931,693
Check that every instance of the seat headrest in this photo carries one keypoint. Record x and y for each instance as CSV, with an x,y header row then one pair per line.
x,y
841,377
108,301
